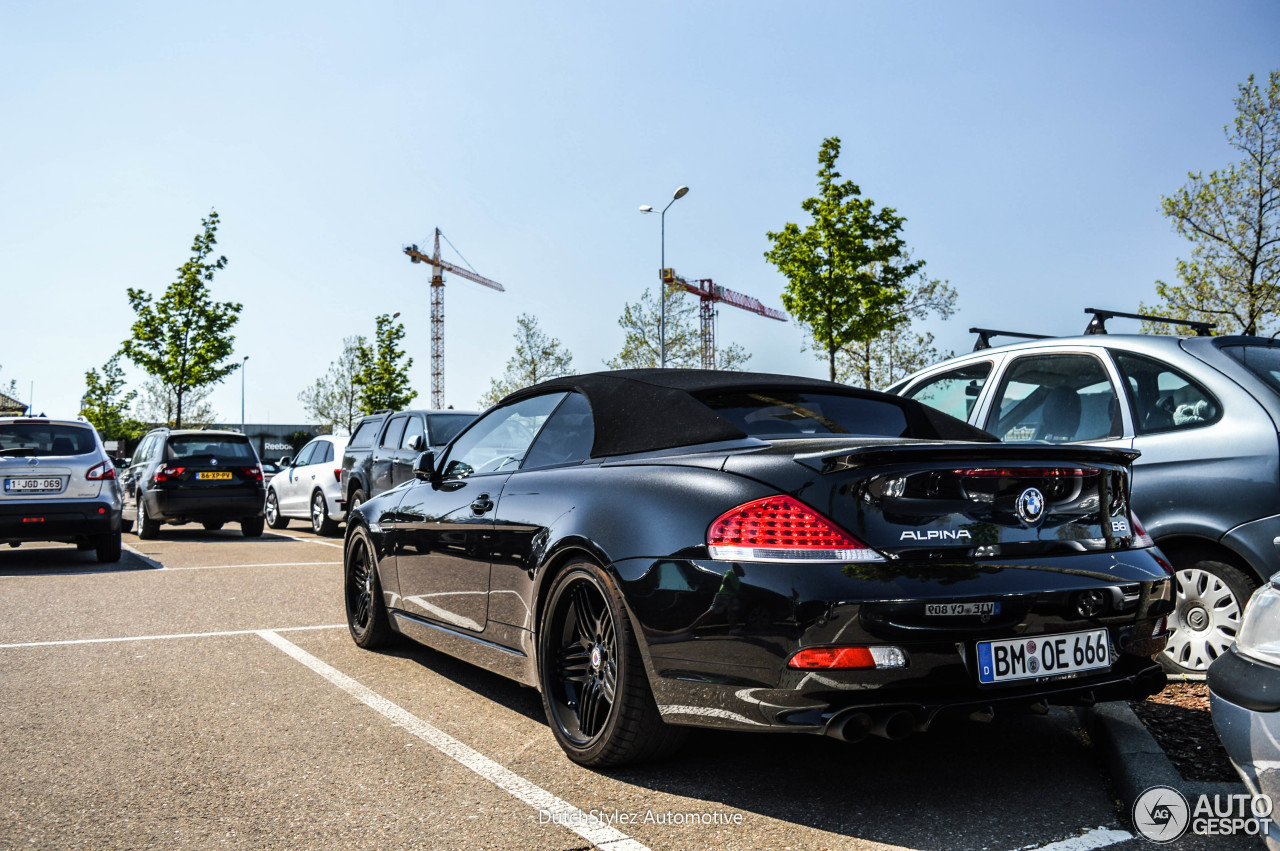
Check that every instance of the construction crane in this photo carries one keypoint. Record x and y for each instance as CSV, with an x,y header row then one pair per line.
x,y
439,266
710,293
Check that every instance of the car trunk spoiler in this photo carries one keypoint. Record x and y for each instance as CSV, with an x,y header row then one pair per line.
x,y
983,453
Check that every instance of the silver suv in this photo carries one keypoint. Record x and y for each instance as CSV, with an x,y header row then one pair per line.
x,y
1203,411
58,484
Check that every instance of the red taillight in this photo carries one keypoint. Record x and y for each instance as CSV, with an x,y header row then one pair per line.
x,y
99,472
1141,540
847,658
780,528
254,472
164,474
1026,472
337,475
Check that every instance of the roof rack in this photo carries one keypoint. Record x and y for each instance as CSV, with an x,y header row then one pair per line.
x,y
1098,324
985,335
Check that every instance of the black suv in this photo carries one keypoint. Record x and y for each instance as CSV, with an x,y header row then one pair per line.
x,y
191,476
384,446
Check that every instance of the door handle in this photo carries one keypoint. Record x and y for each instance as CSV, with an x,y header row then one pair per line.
x,y
482,504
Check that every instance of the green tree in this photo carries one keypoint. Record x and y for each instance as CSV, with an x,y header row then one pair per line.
x,y
158,403
334,399
538,357
382,373
846,269
106,405
899,350
10,389
1232,218
640,347
183,338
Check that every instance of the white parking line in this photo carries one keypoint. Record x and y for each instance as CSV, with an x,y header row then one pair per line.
x,y
307,540
561,812
274,564
166,637
1098,837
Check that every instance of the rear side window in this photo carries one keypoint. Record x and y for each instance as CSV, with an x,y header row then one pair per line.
x,y
365,433
1058,398
783,412
567,436
1262,361
1163,398
222,447
328,454
954,392
445,427
391,437
45,439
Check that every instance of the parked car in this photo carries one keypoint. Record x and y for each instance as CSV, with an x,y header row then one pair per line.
x,y
1203,411
383,447
196,476
653,548
1244,701
58,485
309,487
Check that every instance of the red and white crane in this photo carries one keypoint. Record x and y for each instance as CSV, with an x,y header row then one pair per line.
x,y
710,293
439,266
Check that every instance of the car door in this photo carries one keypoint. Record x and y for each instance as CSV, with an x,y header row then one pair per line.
x,y
443,530
383,458
289,492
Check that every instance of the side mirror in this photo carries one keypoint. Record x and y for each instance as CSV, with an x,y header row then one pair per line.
x,y
424,469
286,461
416,443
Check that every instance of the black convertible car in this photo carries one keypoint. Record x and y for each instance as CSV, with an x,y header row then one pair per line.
x,y
656,549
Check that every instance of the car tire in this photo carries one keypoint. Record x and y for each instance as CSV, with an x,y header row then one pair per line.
x,y
148,529
275,519
251,527
355,501
212,525
594,689
1209,600
362,591
320,522
109,547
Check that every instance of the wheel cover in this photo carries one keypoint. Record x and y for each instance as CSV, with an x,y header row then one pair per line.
x,y
273,509
318,512
360,586
584,668
1205,620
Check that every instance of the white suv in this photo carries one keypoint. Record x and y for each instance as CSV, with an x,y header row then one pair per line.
x,y
58,484
309,487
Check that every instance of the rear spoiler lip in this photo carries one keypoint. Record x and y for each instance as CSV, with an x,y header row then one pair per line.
x,y
985,453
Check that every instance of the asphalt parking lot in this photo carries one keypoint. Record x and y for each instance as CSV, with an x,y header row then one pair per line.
x,y
205,693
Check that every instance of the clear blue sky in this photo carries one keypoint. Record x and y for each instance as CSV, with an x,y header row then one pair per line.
x,y
1027,144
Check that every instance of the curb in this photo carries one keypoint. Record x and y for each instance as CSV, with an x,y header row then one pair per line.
x,y
1134,760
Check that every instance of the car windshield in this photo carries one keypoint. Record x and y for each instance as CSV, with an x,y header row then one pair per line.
x,y
445,427
222,447
784,412
45,439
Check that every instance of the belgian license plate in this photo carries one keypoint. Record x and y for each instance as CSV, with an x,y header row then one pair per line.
x,y
951,609
1043,656
218,475
33,485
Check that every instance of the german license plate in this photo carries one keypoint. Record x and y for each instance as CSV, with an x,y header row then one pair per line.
x,y
1043,656
952,609
33,485
218,475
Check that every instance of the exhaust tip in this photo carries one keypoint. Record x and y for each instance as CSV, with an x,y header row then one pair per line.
x,y
894,726
852,727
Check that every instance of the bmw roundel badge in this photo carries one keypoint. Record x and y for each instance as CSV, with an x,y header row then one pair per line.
x,y
1030,506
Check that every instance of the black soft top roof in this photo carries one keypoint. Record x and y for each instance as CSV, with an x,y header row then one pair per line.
x,y
640,410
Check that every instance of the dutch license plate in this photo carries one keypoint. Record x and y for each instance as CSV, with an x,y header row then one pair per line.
x,y
987,608
218,475
1043,656
33,485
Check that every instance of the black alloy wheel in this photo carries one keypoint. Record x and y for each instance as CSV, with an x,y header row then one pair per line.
x,y
366,612
275,519
148,529
594,688
320,522
356,500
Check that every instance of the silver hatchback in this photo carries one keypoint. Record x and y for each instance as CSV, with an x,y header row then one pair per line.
x,y
58,484
1205,414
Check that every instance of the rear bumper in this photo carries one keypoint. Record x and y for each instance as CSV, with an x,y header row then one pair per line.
x,y
177,505
61,521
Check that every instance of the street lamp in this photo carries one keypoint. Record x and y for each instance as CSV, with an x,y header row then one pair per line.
x,y
662,290
242,363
